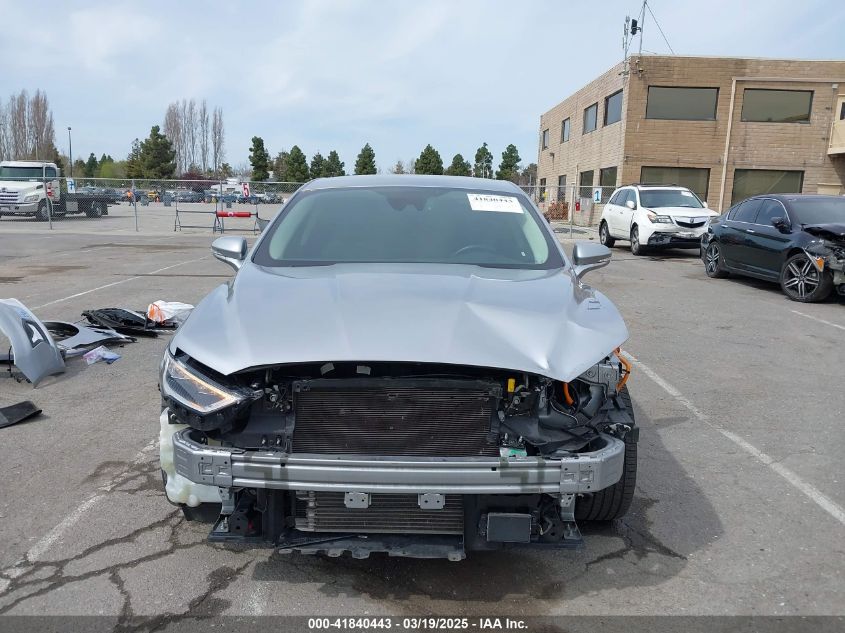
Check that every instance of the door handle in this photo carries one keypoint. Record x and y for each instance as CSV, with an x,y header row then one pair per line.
x,y
752,231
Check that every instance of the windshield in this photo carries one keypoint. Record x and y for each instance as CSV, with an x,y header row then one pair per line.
x,y
408,224
819,210
21,172
656,198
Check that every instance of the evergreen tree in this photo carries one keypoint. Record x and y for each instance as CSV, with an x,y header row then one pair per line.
x,y
318,166
91,166
280,166
297,166
157,155
459,167
429,162
259,159
509,167
333,166
79,167
366,161
226,170
483,167
133,161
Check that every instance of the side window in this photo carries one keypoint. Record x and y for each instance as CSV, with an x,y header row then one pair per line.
x,y
50,172
614,199
747,211
769,210
632,196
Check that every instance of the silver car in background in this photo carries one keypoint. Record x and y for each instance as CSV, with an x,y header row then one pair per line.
x,y
402,364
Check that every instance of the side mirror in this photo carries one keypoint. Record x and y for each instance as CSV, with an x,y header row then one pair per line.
x,y
781,224
631,204
587,256
230,250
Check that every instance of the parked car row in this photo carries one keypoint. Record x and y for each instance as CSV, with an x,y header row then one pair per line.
x,y
796,240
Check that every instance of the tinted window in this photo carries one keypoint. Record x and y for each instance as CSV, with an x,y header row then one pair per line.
x,y
590,116
616,198
408,224
586,184
564,130
754,182
561,188
21,172
692,178
656,198
50,172
777,106
545,139
686,104
613,108
747,211
607,181
769,210
822,210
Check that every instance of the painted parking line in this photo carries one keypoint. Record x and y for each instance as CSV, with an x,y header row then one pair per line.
x,y
117,283
814,494
818,320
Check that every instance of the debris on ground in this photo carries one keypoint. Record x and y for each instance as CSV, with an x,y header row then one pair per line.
x,y
100,353
169,312
75,340
34,352
122,320
17,413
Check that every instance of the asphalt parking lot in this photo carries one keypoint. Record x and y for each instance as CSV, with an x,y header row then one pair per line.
x,y
738,508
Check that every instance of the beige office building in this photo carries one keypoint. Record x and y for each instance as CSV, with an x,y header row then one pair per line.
x,y
727,128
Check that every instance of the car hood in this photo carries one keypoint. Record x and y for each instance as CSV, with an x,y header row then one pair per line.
x,y
19,186
542,322
832,231
683,212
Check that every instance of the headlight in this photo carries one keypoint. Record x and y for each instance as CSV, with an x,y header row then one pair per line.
x,y
199,400
658,219
31,197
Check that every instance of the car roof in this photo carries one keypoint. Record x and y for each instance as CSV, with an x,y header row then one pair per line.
x,y
794,197
412,180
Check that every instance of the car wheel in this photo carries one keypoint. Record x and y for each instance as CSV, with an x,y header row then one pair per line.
x,y
95,210
801,281
613,502
604,235
41,214
713,265
636,247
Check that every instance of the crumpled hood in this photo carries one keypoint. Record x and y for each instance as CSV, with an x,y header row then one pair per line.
x,y
832,231
533,321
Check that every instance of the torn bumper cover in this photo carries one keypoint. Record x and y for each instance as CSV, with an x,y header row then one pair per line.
x,y
235,468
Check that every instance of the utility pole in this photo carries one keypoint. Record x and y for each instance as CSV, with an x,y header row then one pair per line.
x,y
70,151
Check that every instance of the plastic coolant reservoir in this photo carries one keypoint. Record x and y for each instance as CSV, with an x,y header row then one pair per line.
x,y
179,489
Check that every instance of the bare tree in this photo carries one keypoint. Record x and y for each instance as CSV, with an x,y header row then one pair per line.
x,y
5,139
40,129
17,121
173,131
218,153
190,125
203,129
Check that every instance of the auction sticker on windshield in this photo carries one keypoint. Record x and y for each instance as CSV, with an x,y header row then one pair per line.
x,y
487,202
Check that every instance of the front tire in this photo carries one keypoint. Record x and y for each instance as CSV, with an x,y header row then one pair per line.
x,y
604,235
713,264
42,214
95,210
801,281
613,502
636,248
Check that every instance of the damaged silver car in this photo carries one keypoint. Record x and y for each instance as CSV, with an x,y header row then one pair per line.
x,y
402,364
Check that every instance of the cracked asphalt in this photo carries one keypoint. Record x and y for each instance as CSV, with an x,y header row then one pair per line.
x,y
714,529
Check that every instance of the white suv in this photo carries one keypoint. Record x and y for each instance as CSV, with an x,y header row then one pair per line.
x,y
654,216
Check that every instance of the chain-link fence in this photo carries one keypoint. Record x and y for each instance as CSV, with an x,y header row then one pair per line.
x,y
579,206
148,205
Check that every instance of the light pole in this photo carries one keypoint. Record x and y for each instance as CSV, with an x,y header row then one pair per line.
x,y
70,151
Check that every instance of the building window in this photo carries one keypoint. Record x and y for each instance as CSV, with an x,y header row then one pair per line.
x,y
607,182
564,130
681,104
695,179
542,192
613,108
752,182
561,187
776,106
545,139
590,118
585,184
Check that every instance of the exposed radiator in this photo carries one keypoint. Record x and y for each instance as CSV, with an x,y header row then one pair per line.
x,y
400,417
401,514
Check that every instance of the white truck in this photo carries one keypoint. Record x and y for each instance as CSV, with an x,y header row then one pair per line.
x,y
32,188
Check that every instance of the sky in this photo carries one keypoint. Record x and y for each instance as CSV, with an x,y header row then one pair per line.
x,y
335,74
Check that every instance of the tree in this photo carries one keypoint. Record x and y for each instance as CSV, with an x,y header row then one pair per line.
x,y
528,176
218,153
26,128
157,155
133,161
90,166
79,167
280,166
429,162
509,167
366,161
318,165
226,170
297,165
483,167
259,159
398,168
333,166
459,167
